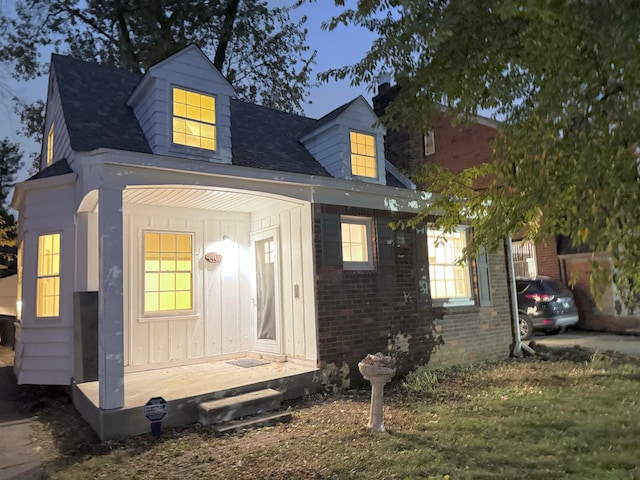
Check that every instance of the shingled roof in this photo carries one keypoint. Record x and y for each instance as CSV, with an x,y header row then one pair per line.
x,y
94,100
94,103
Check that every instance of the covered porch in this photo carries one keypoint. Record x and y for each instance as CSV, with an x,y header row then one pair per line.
x,y
224,234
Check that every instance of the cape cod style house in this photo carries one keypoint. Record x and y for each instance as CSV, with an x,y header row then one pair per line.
x,y
173,229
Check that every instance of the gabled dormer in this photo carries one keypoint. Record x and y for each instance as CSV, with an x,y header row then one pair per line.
x,y
183,107
349,143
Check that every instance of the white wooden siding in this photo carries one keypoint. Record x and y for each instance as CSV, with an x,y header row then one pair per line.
x,y
218,325
54,115
44,346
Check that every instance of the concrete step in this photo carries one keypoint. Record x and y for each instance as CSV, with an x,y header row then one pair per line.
x,y
263,420
225,409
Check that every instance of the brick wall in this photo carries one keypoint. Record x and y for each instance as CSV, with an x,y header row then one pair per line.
x,y
459,148
478,334
547,258
361,312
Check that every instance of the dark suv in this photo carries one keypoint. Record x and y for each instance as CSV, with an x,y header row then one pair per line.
x,y
546,305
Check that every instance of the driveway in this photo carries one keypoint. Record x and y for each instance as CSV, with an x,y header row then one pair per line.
x,y
19,455
628,344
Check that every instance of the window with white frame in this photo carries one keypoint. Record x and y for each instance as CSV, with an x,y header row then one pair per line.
x,y
48,279
429,143
363,155
356,243
168,272
450,281
194,119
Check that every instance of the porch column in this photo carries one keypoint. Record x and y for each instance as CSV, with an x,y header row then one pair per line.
x,y
110,303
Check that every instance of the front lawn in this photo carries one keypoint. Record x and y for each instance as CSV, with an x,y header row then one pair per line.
x,y
576,417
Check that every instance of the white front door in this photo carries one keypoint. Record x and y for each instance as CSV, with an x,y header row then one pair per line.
x,y
267,324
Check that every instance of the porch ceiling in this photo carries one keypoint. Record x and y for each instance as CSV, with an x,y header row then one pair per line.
x,y
202,198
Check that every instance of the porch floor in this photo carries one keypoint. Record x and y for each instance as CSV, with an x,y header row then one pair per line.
x,y
184,388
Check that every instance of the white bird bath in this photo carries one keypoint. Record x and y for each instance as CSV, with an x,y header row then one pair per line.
x,y
379,370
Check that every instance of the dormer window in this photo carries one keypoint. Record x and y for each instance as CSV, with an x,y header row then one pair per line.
x,y
194,119
363,155
50,146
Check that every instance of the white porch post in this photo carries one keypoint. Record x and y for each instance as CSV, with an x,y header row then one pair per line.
x,y
110,308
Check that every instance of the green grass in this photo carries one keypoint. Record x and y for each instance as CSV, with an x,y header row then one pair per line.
x,y
533,420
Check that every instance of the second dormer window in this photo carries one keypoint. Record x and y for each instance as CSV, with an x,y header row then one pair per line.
x,y
194,119
363,155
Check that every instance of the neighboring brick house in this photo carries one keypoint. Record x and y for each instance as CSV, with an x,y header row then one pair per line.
x,y
173,227
461,147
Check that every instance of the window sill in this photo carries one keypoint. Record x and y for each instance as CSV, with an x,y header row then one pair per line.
x,y
458,305
163,317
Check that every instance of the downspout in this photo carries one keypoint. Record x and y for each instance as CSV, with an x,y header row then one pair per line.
x,y
515,323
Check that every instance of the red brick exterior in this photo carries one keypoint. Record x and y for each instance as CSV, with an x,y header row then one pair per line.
x,y
459,148
547,258
362,312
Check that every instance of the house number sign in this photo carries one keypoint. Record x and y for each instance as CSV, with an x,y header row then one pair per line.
x,y
213,257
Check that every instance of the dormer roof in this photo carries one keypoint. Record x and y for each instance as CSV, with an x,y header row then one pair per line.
x,y
333,115
192,58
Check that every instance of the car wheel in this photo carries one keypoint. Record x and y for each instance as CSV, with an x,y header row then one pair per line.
x,y
553,331
526,327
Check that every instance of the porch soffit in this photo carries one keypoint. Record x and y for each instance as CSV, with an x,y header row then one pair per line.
x,y
204,199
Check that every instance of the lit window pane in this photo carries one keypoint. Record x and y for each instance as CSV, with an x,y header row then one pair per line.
x,y
180,110
167,301
183,281
208,103
183,301
167,282
193,113
151,281
151,302
168,262
179,96
183,243
193,99
179,126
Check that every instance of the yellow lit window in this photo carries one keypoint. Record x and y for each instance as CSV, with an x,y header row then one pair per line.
x,y
363,155
50,146
448,278
167,272
356,244
48,282
194,119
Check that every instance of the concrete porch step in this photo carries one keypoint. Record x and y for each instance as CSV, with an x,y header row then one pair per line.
x,y
213,412
264,420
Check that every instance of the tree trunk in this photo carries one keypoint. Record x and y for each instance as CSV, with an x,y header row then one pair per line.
x,y
226,35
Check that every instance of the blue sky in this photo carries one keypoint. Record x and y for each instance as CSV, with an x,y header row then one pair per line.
x,y
343,46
